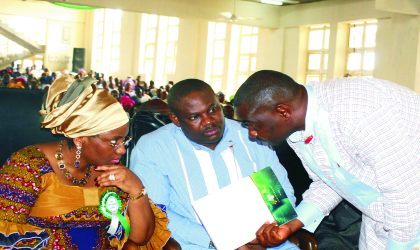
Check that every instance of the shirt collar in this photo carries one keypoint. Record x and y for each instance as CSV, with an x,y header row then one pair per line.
x,y
310,118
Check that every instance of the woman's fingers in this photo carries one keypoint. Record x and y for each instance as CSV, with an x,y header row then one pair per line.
x,y
121,177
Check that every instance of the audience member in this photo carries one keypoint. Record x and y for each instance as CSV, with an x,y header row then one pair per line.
x,y
152,89
140,85
65,72
158,94
129,79
117,81
146,87
17,85
157,105
65,190
136,97
127,102
171,160
128,90
6,79
33,82
36,73
115,94
44,79
168,87
221,97
228,111
164,96
143,97
111,83
82,73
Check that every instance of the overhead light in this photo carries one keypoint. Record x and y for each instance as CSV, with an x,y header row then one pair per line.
x,y
39,56
272,2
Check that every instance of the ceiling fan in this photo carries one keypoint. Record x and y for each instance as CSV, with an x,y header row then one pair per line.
x,y
233,17
279,2
275,2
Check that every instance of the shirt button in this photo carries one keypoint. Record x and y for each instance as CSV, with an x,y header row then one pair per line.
x,y
314,221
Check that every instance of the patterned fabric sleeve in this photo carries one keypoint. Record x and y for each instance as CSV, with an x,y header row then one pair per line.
x,y
20,184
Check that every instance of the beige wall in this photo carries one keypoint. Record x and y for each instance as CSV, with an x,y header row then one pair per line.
x,y
57,18
55,47
284,49
396,52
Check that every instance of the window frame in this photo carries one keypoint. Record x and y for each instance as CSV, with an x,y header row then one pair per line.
x,y
362,50
321,73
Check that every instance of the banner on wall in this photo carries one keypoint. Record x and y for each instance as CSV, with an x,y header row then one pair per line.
x,y
74,6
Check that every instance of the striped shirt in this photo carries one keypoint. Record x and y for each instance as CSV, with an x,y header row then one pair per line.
x,y
376,127
158,163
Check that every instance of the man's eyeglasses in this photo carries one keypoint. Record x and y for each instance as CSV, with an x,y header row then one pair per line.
x,y
113,143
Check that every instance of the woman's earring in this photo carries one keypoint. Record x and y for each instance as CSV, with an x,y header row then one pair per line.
x,y
78,152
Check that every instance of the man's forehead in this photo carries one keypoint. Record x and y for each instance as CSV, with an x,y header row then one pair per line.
x,y
196,101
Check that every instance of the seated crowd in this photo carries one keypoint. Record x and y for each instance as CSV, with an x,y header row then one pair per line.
x,y
129,92
77,194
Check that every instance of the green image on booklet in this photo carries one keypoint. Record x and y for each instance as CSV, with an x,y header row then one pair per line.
x,y
274,196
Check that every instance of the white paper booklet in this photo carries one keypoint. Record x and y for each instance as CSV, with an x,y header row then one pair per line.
x,y
233,215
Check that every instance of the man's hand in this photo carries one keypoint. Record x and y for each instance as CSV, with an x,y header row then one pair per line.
x,y
270,234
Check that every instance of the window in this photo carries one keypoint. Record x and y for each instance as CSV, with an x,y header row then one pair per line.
x,y
172,27
158,47
216,54
318,45
106,41
361,49
247,56
231,55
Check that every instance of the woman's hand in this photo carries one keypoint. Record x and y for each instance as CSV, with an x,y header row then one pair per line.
x,y
124,179
142,219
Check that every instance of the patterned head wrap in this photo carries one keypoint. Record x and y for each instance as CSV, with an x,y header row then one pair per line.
x,y
78,108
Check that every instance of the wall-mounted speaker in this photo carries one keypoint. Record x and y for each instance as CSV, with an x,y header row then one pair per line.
x,y
78,59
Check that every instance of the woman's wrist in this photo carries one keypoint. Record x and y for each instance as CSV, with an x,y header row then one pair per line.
x,y
138,195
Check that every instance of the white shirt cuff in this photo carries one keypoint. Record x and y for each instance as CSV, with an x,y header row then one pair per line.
x,y
309,215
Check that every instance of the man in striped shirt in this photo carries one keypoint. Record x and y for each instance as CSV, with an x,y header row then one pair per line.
x,y
198,154
359,140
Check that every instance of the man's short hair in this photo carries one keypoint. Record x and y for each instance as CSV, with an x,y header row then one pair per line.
x,y
262,86
184,88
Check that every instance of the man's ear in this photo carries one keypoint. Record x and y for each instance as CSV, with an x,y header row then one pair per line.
x,y
174,119
284,111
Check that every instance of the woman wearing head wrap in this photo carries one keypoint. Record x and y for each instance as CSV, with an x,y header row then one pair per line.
x,y
74,194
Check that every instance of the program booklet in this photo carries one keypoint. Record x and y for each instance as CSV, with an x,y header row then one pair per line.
x,y
233,214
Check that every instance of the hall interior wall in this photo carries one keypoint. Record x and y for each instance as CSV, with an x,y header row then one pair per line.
x,y
283,49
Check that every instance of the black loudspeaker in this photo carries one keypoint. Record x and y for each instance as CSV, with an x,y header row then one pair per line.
x,y
78,59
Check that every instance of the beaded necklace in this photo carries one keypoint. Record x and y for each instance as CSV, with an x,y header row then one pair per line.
x,y
67,174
